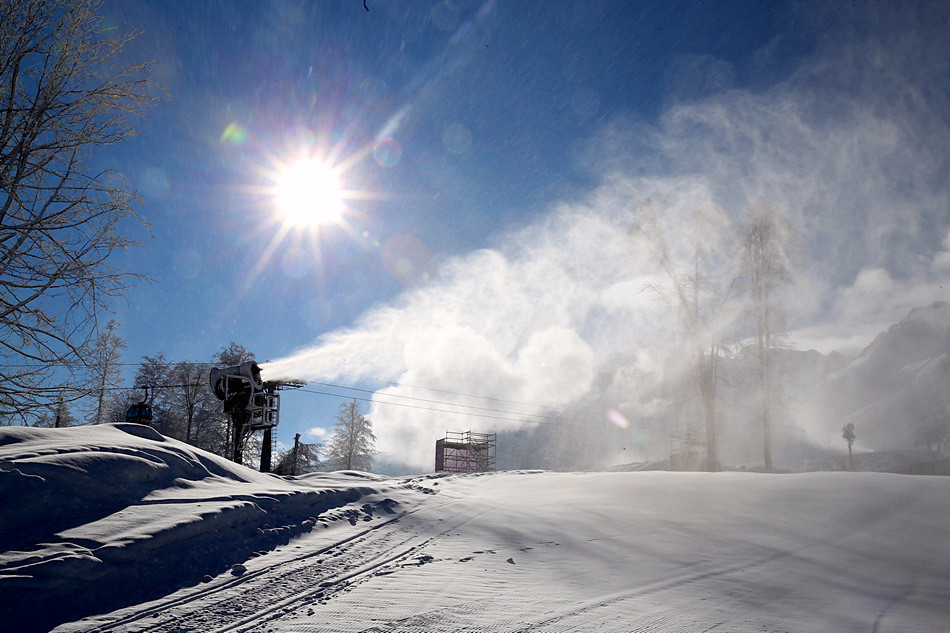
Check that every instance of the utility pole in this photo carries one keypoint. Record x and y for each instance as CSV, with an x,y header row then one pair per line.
x,y
293,469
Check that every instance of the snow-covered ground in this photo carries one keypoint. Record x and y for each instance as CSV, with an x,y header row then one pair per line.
x,y
115,528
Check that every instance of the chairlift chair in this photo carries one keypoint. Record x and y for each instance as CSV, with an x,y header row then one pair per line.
x,y
140,413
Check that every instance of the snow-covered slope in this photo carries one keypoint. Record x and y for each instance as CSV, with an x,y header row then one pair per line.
x,y
156,536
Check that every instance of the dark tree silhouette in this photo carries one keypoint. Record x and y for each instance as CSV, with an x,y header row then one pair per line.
x,y
847,432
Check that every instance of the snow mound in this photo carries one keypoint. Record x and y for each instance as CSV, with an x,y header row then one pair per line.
x,y
88,510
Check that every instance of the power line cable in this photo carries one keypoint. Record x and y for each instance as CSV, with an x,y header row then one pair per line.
x,y
555,421
358,378
420,407
458,404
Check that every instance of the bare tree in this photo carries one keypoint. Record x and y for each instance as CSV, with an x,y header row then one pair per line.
x,y
191,395
299,460
236,354
770,246
352,443
233,354
62,99
210,432
182,404
695,254
105,369
153,372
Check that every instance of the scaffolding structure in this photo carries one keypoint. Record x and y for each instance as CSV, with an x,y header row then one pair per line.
x,y
687,453
465,452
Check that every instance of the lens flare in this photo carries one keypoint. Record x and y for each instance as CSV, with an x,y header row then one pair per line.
x,y
409,260
618,419
188,263
234,134
387,152
457,138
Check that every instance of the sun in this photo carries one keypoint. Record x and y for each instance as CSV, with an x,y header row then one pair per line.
x,y
309,194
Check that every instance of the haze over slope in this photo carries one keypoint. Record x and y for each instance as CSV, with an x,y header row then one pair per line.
x,y
893,391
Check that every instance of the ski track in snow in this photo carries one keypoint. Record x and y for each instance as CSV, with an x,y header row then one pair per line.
x,y
246,601
405,574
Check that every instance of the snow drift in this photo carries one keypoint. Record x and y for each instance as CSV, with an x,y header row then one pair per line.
x,y
97,517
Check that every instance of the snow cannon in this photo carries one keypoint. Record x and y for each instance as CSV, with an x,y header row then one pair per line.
x,y
246,395
237,385
251,404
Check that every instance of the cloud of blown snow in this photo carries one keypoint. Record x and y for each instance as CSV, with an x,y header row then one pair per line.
x,y
854,147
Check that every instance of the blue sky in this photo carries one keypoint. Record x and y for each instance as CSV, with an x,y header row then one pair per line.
x,y
496,153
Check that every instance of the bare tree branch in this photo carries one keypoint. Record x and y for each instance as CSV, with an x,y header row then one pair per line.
x,y
697,258
62,100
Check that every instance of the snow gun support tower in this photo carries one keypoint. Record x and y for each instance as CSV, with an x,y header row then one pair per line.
x,y
252,405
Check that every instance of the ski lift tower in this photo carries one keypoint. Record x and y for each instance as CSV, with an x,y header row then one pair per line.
x,y
251,404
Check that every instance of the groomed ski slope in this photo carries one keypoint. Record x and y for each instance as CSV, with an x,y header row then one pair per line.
x,y
183,541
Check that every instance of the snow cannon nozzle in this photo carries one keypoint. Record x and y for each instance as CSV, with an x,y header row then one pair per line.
x,y
285,383
279,379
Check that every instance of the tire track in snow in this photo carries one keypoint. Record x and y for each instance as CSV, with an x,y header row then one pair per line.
x,y
332,585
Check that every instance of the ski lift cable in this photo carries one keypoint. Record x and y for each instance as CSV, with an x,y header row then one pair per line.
x,y
458,404
371,400
321,393
355,377
558,421
363,378
459,408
